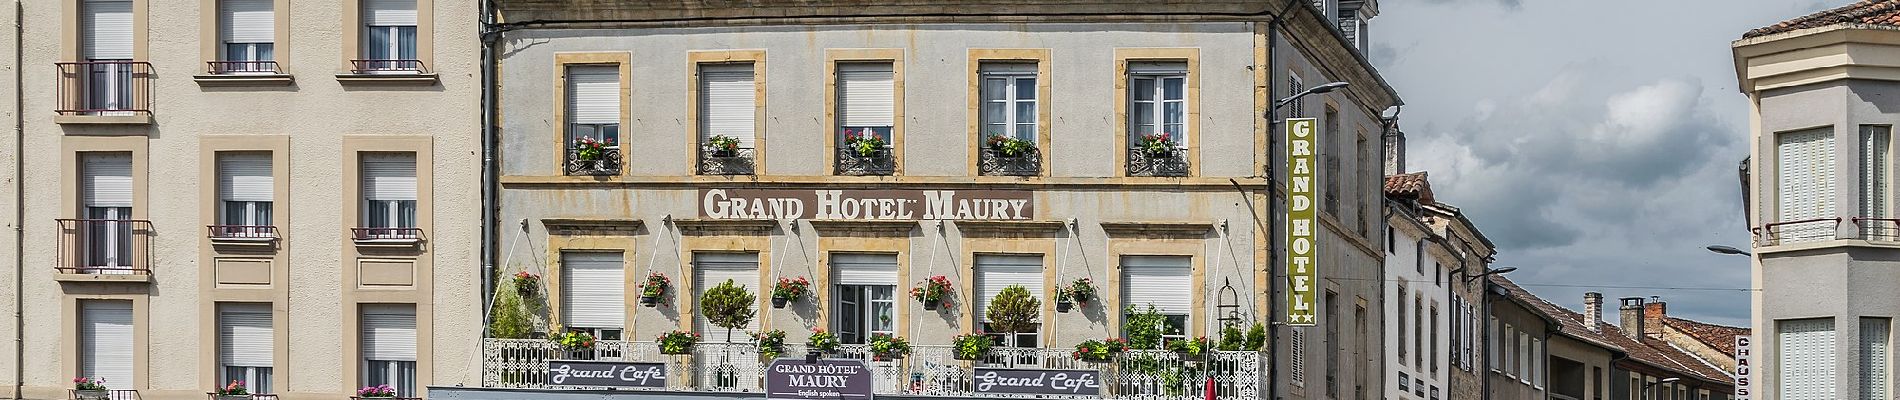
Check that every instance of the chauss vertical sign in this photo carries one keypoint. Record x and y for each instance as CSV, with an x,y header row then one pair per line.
x,y
1302,266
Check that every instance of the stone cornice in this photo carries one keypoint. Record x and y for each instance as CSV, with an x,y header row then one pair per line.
x,y
593,226
725,227
1018,229
863,228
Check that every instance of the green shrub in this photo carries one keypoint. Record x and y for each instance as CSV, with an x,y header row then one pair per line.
x,y
728,305
1014,310
1144,329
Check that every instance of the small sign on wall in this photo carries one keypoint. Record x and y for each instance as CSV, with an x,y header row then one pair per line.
x,y
852,204
1037,381
606,374
1742,368
828,379
1302,220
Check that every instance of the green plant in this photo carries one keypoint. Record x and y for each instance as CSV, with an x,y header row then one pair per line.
x,y
728,305
1155,144
509,317
1010,146
771,343
864,142
1144,328
527,282
1257,337
822,341
1192,347
1099,350
574,340
970,346
1013,310
791,289
588,149
678,342
235,388
887,346
1231,339
722,143
933,292
88,383
656,285
1079,292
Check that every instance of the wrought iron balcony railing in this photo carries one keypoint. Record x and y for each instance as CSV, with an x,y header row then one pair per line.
x,y
607,163
1877,229
242,67
115,394
993,161
388,67
929,370
392,235
879,161
105,246
241,232
1807,230
738,161
1172,162
104,88
254,396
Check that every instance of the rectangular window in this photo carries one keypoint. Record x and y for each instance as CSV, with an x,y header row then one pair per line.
x,y
1297,108
1805,172
593,293
1524,351
593,103
1162,282
389,193
247,32
106,189
389,37
1875,357
246,190
105,341
1491,344
1432,345
997,272
1296,350
1457,331
1596,383
1010,102
1157,92
1399,304
1806,348
1418,332
389,346
1331,155
728,103
865,287
714,269
1536,362
1874,146
1366,176
1510,350
1361,363
1333,344
867,100
246,345
106,36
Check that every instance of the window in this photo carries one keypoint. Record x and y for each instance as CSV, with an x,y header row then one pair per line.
x,y
1491,343
1331,156
106,43
1875,357
728,106
1009,99
1536,363
1524,351
593,103
1399,303
1510,351
246,189
246,343
389,194
593,293
389,32
1418,332
1362,363
714,269
1457,331
1296,350
1297,108
1391,239
106,350
389,346
1332,341
1162,282
997,272
1596,383
1418,255
1874,146
247,30
1432,345
1805,172
1158,95
1806,359
867,99
865,284
107,192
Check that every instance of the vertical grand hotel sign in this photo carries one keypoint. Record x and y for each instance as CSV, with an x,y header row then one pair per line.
x,y
1302,267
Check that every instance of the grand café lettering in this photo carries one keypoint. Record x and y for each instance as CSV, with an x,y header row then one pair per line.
x,y
841,204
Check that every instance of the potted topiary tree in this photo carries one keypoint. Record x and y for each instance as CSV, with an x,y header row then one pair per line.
x,y
1013,310
728,305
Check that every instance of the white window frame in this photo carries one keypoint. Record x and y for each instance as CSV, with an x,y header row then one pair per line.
x,y
597,131
1158,104
1012,82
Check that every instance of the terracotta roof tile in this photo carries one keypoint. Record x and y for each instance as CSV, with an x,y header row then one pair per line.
x,y
1865,12
1720,337
1649,351
1409,185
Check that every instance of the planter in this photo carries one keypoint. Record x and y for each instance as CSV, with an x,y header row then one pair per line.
x,y
231,397
930,306
525,291
649,301
92,394
1063,306
780,302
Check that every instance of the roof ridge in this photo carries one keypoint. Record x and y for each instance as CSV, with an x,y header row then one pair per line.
x,y
1870,12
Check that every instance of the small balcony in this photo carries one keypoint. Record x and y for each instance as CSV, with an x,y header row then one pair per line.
x,y
400,237
998,162
877,161
1172,162
929,370
374,71
104,92
241,234
242,73
104,249
737,161
1801,231
215,396
602,162
121,394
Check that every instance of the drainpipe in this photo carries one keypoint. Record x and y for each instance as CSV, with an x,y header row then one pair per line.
x,y
1273,217
489,38
19,203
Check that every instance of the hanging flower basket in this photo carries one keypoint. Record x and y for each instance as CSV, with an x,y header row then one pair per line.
x,y
933,292
655,287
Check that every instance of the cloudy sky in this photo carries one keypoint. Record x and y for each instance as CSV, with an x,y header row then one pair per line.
x,y
1594,141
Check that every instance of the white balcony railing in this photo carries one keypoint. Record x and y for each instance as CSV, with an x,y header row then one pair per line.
x,y
930,370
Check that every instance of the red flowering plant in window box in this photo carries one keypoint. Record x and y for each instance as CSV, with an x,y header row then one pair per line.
x,y
933,292
864,142
589,149
1099,350
1156,144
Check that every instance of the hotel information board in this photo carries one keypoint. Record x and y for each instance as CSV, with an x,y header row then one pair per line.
x,y
1302,259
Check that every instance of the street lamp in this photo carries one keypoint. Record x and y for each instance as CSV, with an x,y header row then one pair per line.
x,y
1646,387
1720,249
1492,271
1323,88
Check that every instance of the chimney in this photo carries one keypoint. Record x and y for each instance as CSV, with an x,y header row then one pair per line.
x,y
1394,148
1631,317
1592,310
1653,314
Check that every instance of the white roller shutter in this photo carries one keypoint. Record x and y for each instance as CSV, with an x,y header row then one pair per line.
x,y
105,341
245,336
247,21
593,94
713,269
1875,354
1806,174
997,272
1874,141
389,176
389,332
864,269
594,290
866,94
107,29
245,176
108,179
1162,281
389,12
1806,350
726,102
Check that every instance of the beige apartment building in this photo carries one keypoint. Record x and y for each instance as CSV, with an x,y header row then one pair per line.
x,y
283,193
